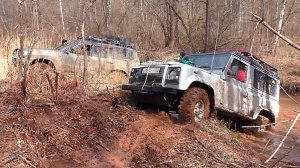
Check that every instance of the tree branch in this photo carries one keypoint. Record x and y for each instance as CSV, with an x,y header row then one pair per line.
x,y
291,43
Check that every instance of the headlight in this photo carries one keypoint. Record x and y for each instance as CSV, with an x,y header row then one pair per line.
x,y
173,75
134,73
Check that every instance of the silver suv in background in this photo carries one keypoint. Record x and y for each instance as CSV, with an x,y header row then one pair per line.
x,y
236,83
104,55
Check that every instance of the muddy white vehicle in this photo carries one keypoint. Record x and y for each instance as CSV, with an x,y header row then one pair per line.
x,y
105,55
208,84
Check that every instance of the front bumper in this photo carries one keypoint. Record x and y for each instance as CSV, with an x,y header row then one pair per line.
x,y
149,89
155,95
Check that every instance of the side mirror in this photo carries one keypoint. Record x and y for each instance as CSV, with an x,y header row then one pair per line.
x,y
63,41
223,77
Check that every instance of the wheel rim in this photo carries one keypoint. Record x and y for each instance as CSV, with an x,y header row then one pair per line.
x,y
198,111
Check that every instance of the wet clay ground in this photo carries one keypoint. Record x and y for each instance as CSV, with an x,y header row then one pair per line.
x,y
103,131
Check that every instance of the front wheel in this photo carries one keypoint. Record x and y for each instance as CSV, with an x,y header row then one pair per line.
x,y
40,78
194,105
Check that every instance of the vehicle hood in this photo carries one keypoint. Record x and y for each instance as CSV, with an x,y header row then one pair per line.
x,y
160,62
39,52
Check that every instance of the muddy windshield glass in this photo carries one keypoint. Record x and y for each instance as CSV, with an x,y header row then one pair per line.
x,y
205,61
66,46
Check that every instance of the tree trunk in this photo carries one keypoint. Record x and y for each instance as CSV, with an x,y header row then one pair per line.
x,y
107,20
36,13
207,21
171,22
62,18
278,28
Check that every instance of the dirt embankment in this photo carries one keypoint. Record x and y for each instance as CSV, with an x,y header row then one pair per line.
x,y
102,131
98,131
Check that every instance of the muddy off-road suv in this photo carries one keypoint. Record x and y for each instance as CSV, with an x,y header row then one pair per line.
x,y
105,55
196,85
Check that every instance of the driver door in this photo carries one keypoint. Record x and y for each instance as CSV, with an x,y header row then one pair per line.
x,y
235,88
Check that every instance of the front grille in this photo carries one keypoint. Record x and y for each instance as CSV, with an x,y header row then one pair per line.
x,y
152,78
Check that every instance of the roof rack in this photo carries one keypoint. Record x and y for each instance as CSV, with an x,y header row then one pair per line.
x,y
113,40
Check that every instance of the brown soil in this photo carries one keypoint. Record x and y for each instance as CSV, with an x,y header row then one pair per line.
x,y
103,131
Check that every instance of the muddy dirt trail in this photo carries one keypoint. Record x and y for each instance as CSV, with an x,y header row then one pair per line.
x,y
103,131
266,142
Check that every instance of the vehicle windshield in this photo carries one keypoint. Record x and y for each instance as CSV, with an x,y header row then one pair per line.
x,y
205,61
67,45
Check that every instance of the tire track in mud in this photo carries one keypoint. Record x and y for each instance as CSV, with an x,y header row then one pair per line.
x,y
150,136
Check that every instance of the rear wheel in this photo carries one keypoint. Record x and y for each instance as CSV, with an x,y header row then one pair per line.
x,y
194,105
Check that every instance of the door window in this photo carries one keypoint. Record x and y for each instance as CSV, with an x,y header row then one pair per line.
x,y
82,49
238,70
264,83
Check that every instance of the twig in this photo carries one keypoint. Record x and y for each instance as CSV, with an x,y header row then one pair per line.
x,y
13,156
56,86
26,161
286,135
51,86
266,145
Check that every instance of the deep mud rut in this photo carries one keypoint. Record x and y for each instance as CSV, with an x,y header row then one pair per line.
x,y
266,142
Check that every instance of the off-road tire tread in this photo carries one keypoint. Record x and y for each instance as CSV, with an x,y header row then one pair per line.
x,y
188,102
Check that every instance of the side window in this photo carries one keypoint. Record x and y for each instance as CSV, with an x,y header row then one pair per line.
x,y
238,70
82,49
272,86
130,54
260,80
124,52
119,53
110,52
101,51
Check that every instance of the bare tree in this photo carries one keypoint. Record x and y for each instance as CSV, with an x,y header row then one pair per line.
x,y
62,18
171,22
207,21
278,27
108,8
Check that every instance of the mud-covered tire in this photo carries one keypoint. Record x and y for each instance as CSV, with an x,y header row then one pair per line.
x,y
266,121
189,102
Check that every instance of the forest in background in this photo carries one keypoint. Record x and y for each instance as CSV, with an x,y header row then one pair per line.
x,y
190,25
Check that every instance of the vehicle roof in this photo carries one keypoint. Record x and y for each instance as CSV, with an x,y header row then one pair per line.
x,y
117,41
